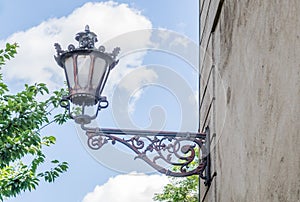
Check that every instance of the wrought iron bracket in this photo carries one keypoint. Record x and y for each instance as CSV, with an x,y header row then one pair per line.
x,y
171,153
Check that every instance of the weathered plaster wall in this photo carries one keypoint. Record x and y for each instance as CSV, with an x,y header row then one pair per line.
x,y
250,68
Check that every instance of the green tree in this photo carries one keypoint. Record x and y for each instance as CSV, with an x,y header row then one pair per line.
x,y
179,190
183,189
22,116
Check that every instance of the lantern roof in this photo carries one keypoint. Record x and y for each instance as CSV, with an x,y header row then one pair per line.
x,y
86,40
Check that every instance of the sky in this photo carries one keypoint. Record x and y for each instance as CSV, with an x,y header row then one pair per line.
x,y
156,80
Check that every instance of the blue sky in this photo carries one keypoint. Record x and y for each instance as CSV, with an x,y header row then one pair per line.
x,y
21,20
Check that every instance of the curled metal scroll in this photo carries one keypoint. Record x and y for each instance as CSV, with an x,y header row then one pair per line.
x,y
158,149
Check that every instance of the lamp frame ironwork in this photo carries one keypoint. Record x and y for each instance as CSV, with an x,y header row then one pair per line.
x,y
176,149
87,95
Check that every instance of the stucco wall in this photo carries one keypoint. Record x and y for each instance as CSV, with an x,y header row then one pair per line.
x,y
250,90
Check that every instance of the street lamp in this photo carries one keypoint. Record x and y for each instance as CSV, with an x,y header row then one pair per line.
x,y
86,70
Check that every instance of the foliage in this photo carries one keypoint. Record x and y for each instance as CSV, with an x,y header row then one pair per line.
x,y
179,190
22,116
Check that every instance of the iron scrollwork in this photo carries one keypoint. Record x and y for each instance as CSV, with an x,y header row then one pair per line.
x,y
159,149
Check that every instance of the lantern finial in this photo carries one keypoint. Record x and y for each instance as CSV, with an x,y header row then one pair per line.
x,y
87,28
86,39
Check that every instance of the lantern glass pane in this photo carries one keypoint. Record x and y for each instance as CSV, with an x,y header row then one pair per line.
x,y
83,68
99,72
69,68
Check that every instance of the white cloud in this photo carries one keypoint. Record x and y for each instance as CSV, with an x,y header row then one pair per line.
x,y
128,188
134,87
133,100
34,61
143,76
164,34
181,42
130,81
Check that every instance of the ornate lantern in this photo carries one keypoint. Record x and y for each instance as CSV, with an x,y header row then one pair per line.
x,y
86,70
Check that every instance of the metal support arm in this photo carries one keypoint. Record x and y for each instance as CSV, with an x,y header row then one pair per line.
x,y
160,148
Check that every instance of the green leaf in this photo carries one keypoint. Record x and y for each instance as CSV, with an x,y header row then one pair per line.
x,y
55,161
6,56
